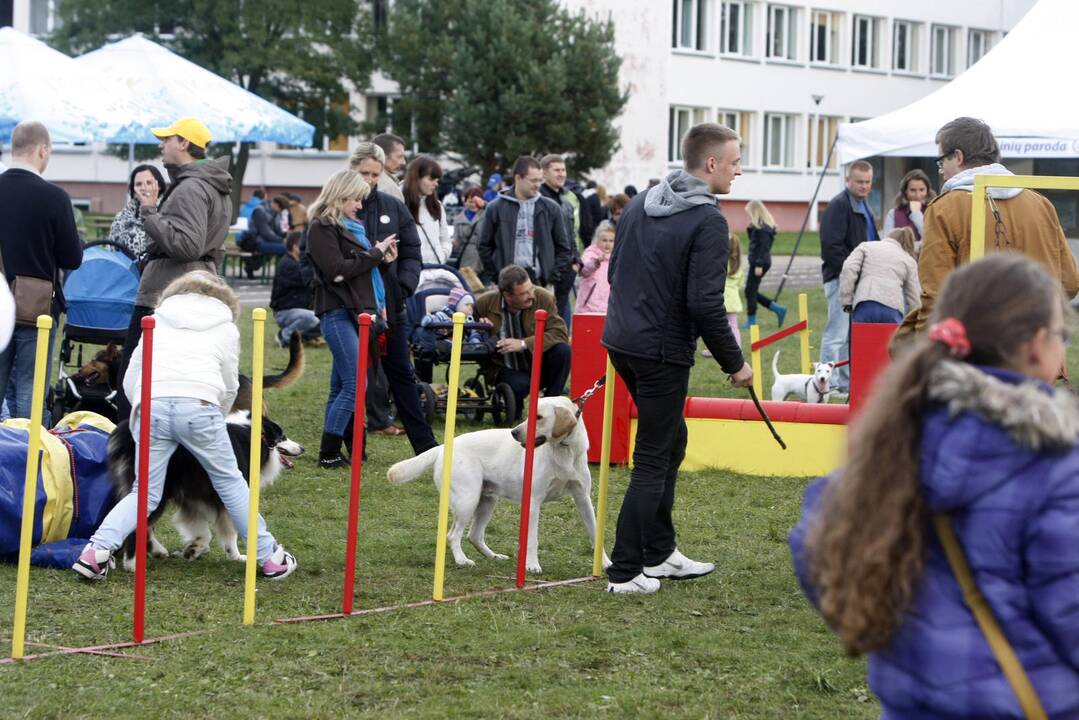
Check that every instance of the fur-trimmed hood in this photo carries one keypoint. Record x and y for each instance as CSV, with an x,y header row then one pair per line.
x,y
203,283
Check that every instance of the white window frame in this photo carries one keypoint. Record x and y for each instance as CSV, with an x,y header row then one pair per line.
x,y
986,37
785,17
744,28
675,132
867,28
785,124
936,32
741,121
51,21
832,29
697,25
817,145
911,58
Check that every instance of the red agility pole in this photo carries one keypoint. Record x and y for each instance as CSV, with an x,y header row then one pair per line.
x,y
357,464
144,478
530,445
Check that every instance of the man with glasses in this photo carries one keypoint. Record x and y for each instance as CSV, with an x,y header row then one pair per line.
x,y
1017,219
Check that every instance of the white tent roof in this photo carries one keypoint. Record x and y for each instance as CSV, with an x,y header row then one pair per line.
x,y
1023,88
171,87
39,83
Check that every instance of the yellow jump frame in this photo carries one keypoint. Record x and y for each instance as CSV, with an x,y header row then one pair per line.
x,y
983,182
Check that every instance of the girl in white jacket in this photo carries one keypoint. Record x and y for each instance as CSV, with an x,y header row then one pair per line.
x,y
195,379
420,189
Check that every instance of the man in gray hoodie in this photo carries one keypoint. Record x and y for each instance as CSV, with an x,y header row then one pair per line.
x,y
667,273
186,231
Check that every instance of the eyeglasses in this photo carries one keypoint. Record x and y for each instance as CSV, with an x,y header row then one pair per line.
x,y
942,158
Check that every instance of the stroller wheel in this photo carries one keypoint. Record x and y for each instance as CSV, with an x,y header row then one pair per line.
x,y
472,401
428,399
503,405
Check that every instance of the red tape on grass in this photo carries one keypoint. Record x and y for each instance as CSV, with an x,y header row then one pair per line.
x,y
144,478
530,445
96,649
425,603
776,337
357,464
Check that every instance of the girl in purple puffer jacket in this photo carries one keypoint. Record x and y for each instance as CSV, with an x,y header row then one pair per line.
x,y
966,425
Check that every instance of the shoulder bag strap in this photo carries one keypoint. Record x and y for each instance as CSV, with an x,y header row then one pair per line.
x,y
434,248
972,596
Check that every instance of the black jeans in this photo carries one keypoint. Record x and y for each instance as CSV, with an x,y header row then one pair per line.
x,y
553,375
379,412
752,295
134,334
402,381
645,534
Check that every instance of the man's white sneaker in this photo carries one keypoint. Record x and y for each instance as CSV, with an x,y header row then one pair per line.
x,y
640,584
679,567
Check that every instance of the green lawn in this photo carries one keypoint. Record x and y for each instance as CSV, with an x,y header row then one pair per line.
x,y
784,245
741,643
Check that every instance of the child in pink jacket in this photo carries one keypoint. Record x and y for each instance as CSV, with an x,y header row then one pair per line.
x,y
595,289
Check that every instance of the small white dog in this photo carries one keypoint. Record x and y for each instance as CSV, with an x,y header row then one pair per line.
x,y
489,464
807,388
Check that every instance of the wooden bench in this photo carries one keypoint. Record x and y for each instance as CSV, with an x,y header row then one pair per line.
x,y
235,258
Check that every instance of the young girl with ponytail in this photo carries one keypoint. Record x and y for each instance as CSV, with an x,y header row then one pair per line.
x,y
973,437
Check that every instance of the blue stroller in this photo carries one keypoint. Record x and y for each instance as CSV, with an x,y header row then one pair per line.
x,y
100,298
478,395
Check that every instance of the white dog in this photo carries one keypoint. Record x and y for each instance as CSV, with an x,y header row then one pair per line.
x,y
489,464
807,388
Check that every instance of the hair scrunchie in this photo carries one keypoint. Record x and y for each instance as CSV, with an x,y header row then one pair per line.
x,y
951,333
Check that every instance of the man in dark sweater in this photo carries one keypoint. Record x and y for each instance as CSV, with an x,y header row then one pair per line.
x,y
37,239
290,298
667,273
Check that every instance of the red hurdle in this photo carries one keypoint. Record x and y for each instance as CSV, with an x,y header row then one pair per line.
x,y
144,478
359,415
530,445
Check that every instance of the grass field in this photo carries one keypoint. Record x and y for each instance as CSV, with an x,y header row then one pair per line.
x,y
784,244
741,643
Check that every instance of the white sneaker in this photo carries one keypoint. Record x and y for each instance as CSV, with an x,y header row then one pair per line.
x,y
679,567
640,584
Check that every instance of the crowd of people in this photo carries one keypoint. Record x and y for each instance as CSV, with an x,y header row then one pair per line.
x,y
979,444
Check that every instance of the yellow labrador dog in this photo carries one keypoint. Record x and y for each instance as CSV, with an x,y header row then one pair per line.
x,y
489,464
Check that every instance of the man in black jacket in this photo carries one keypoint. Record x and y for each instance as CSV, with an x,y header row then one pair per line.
x,y
382,217
667,274
846,224
37,239
521,227
290,298
554,188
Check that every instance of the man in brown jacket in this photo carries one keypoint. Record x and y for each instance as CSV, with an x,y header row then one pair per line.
x,y
511,310
1016,219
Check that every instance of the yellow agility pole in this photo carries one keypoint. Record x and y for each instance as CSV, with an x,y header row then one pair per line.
x,y
755,357
803,336
258,315
22,581
604,468
447,454
983,182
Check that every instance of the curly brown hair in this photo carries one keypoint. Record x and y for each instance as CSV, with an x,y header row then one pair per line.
x,y
867,546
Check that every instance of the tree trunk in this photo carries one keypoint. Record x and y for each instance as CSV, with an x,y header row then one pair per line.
x,y
237,168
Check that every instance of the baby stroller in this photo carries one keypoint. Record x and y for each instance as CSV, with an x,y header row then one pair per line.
x,y
100,297
477,395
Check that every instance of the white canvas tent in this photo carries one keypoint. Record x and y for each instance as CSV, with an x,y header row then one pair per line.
x,y
1024,88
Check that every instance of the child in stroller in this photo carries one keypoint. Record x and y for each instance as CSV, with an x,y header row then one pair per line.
x,y
459,300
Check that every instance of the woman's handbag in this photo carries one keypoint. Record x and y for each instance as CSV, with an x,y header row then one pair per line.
x,y
972,596
33,297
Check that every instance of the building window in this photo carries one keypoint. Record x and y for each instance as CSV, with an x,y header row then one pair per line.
x,y
865,48
977,45
689,24
782,32
822,133
779,140
43,20
824,37
742,123
681,120
905,46
734,28
942,55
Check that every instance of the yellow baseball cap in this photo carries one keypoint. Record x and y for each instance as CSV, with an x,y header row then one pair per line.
x,y
189,129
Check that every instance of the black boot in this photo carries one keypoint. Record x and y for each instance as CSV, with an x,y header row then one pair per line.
x,y
349,429
329,454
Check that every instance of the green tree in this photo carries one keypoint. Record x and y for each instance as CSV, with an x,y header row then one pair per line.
x,y
297,53
495,79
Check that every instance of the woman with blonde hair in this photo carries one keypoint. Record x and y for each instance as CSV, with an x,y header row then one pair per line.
x,y
348,283
879,280
762,233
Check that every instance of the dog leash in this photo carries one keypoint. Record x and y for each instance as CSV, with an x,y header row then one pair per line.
x,y
580,401
764,416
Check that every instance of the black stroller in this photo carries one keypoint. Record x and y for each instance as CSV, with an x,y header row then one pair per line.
x,y
477,394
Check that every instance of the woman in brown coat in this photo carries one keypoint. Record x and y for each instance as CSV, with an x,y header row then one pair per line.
x,y
347,283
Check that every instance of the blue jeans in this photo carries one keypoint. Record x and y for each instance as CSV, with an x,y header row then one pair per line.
x,y
267,247
17,371
342,337
292,320
869,311
835,342
200,428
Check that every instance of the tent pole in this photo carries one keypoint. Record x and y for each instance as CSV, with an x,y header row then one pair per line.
x,y
805,220
130,158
